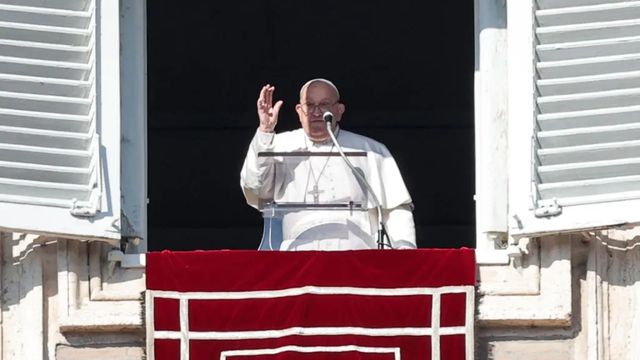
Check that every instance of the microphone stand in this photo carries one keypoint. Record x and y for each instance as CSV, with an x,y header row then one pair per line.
x,y
382,231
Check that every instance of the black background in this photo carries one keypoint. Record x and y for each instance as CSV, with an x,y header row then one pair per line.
x,y
405,73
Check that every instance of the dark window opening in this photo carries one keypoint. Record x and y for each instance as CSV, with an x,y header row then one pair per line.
x,y
405,73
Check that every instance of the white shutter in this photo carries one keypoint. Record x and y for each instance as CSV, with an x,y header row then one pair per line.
x,y
584,148
60,117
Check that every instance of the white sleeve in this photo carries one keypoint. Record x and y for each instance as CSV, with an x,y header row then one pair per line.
x,y
257,174
400,226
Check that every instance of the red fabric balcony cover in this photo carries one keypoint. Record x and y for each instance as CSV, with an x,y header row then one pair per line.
x,y
369,304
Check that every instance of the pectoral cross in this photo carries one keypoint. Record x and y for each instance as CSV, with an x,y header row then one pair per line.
x,y
316,194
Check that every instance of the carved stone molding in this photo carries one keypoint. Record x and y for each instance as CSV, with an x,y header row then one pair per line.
x,y
538,294
92,298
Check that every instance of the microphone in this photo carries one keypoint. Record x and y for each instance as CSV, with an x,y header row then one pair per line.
x,y
359,174
328,117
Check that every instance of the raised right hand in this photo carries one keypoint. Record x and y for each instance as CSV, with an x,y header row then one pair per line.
x,y
267,112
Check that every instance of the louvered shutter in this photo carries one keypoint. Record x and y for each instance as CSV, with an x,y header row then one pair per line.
x,y
585,142
59,117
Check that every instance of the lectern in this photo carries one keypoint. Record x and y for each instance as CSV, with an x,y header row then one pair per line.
x,y
298,218
304,202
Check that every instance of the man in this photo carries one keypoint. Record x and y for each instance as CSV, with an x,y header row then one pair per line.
x,y
325,179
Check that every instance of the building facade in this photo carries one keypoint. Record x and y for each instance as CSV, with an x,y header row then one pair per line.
x,y
557,179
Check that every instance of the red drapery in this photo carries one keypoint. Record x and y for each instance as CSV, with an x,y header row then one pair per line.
x,y
369,304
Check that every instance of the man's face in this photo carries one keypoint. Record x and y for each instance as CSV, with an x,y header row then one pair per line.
x,y
316,99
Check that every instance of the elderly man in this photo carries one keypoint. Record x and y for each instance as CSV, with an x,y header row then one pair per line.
x,y
325,179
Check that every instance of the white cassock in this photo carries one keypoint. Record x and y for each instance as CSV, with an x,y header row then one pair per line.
x,y
326,180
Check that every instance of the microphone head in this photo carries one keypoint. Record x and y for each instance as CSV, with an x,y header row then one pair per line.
x,y
328,117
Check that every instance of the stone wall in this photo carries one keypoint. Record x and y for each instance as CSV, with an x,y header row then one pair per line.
x,y
61,299
569,297
603,321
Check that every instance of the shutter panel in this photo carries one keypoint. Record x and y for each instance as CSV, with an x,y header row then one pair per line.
x,y
53,83
586,137
588,99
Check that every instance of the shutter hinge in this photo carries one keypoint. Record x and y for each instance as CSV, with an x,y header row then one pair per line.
x,y
88,208
548,208
82,209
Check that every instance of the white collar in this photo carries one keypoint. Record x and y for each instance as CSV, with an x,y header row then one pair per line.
x,y
316,144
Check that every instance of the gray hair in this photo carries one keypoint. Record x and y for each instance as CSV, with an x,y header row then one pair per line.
x,y
321,80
